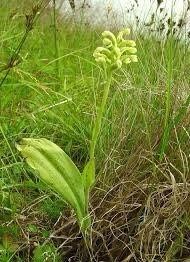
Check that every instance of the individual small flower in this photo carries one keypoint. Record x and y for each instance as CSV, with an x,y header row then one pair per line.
x,y
102,55
134,58
116,65
110,36
116,51
130,43
126,60
107,42
120,36
131,50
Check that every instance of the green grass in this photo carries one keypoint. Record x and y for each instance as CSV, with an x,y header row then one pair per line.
x,y
140,204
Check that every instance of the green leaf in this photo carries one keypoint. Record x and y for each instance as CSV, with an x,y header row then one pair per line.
x,y
47,253
32,228
58,171
89,174
9,243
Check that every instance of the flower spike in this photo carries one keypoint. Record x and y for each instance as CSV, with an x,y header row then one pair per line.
x,y
116,51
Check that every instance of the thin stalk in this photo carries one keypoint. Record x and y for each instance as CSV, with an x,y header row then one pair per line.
x,y
98,121
14,58
55,40
168,105
181,114
30,21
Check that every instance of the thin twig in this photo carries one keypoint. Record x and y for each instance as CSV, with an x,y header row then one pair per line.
x,y
55,40
30,21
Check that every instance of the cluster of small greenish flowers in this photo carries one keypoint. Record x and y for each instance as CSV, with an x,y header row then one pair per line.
x,y
116,50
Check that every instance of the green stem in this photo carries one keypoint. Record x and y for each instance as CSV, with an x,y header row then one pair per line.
x,y
98,121
95,134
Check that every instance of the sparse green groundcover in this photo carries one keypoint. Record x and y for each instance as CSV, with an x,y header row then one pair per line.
x,y
139,204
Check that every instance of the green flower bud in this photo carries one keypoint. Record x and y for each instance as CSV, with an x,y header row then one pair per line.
x,y
122,33
102,50
126,60
124,50
116,65
107,42
127,31
101,60
117,51
130,43
134,58
110,35
131,50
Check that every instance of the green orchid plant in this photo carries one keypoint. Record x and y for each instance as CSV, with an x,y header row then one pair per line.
x,y
51,164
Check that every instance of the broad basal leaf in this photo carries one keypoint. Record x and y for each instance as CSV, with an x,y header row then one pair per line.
x,y
57,170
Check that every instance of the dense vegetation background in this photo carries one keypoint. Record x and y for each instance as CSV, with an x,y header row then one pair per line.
x,y
50,87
